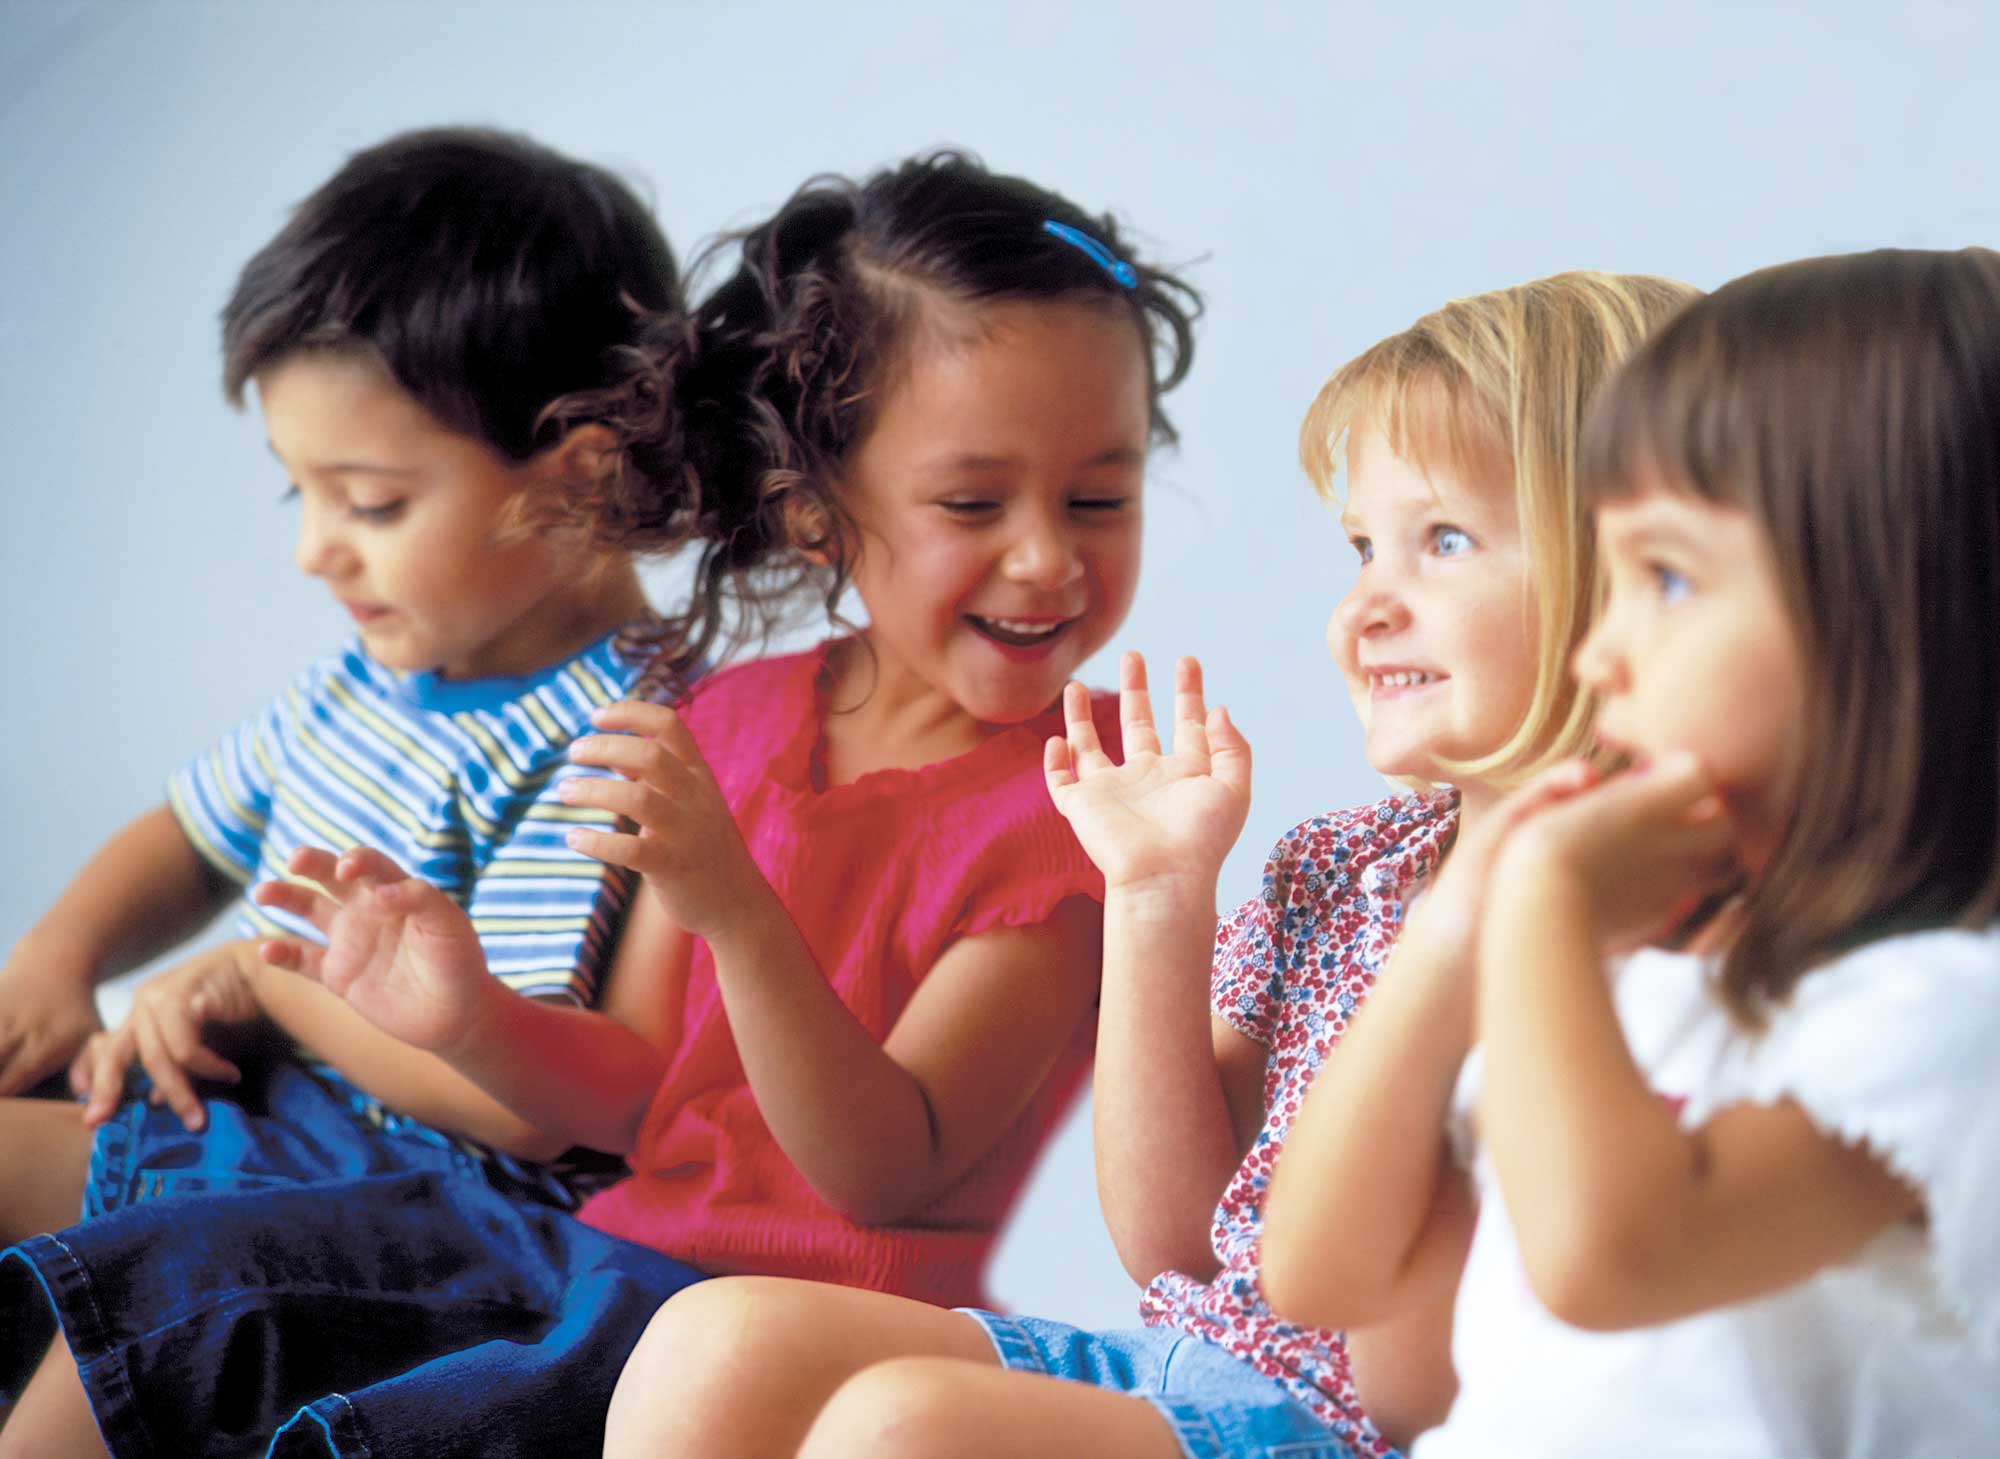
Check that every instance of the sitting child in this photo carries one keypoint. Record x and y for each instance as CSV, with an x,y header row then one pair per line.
x,y
1736,1198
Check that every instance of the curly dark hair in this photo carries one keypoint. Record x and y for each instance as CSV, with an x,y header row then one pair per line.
x,y
734,421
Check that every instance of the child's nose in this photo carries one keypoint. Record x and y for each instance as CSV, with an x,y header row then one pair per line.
x,y
319,549
1597,665
1044,557
1369,608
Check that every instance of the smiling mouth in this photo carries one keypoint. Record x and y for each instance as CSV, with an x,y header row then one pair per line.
x,y
1404,679
1018,632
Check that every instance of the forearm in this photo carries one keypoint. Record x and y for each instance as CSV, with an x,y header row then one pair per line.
x,y
144,891
1588,1156
1365,1187
537,1080
1164,1136
857,1125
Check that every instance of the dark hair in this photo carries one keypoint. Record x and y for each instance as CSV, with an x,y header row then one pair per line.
x,y
487,273
1851,405
739,420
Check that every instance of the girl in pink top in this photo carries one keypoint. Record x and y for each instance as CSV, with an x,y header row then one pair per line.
x,y
877,941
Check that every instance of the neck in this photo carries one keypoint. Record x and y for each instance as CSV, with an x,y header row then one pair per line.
x,y
879,716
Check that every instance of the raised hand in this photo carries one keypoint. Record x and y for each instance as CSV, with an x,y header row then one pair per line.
x,y
47,1014
165,1034
686,846
399,951
1644,848
1159,819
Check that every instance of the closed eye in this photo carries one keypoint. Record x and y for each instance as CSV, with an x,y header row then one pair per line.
x,y
378,513
968,508
1100,504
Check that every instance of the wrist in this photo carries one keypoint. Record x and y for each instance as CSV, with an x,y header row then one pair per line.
x,y
1162,900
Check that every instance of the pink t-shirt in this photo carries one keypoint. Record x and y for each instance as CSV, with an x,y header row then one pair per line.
x,y
881,877
1292,965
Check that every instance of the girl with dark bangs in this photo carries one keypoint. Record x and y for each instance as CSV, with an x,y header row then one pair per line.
x,y
1736,1197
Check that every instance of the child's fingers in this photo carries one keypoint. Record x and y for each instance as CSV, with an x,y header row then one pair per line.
x,y
1190,715
365,866
1057,772
1229,751
632,756
299,900
1135,707
647,856
1086,751
315,863
636,800
635,719
97,1075
170,1081
291,955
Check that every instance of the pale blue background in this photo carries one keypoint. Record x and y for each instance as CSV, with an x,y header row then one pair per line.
x,y
1326,172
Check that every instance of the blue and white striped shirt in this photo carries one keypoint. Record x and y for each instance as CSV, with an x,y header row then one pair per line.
x,y
454,780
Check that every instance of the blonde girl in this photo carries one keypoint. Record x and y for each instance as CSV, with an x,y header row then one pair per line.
x,y
1460,440
1735,1198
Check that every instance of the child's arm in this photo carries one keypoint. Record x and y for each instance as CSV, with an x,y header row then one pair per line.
x,y
144,891
1369,1215
1178,1094
425,1027
1625,1219
878,1129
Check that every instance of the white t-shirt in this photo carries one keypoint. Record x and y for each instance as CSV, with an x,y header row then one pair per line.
x,y
1894,1354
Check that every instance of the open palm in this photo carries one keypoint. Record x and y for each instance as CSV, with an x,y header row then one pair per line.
x,y
1160,817
399,951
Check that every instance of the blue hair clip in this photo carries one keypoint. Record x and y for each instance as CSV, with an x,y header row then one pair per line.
x,y
1103,257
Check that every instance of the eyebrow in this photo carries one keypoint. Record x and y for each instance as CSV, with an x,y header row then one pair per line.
x,y
1656,534
979,461
350,468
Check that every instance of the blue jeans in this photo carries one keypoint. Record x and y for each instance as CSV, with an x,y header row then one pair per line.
x,y
1217,1406
411,1314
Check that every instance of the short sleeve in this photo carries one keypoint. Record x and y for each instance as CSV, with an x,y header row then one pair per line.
x,y
222,798
1242,984
1032,868
1893,1047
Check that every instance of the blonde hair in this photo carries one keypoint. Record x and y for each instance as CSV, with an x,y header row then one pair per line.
x,y
1501,381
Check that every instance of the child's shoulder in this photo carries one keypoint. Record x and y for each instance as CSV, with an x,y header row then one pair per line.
x,y
1399,837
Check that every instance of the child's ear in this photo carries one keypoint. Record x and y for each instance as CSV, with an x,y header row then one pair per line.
x,y
583,456
810,527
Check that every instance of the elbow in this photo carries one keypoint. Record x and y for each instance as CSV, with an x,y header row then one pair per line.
x,y
1594,1274
872,1203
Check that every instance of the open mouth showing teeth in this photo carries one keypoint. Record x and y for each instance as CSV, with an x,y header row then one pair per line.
x,y
1017,632
1409,679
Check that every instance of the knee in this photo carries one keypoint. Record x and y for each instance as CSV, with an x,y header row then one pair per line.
x,y
689,1371
907,1408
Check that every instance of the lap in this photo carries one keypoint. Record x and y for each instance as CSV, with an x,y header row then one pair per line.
x,y
1216,1406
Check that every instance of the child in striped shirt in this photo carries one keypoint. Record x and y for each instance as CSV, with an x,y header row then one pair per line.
x,y
405,331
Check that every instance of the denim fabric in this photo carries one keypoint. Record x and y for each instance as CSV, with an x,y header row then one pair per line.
x,y
1217,1406
286,1124
400,1315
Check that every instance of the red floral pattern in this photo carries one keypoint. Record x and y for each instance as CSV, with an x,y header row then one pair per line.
x,y
1292,965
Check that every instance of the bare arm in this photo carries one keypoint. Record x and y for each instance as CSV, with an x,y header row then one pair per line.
x,y
1179,1094
1624,1218
1369,1215
145,890
877,1128
1367,1205
412,1014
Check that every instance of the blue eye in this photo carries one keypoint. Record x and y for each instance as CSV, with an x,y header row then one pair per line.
x,y
1672,586
1451,541
1363,548
289,494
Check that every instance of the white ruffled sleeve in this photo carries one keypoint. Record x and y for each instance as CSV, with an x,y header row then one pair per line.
x,y
1896,1046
